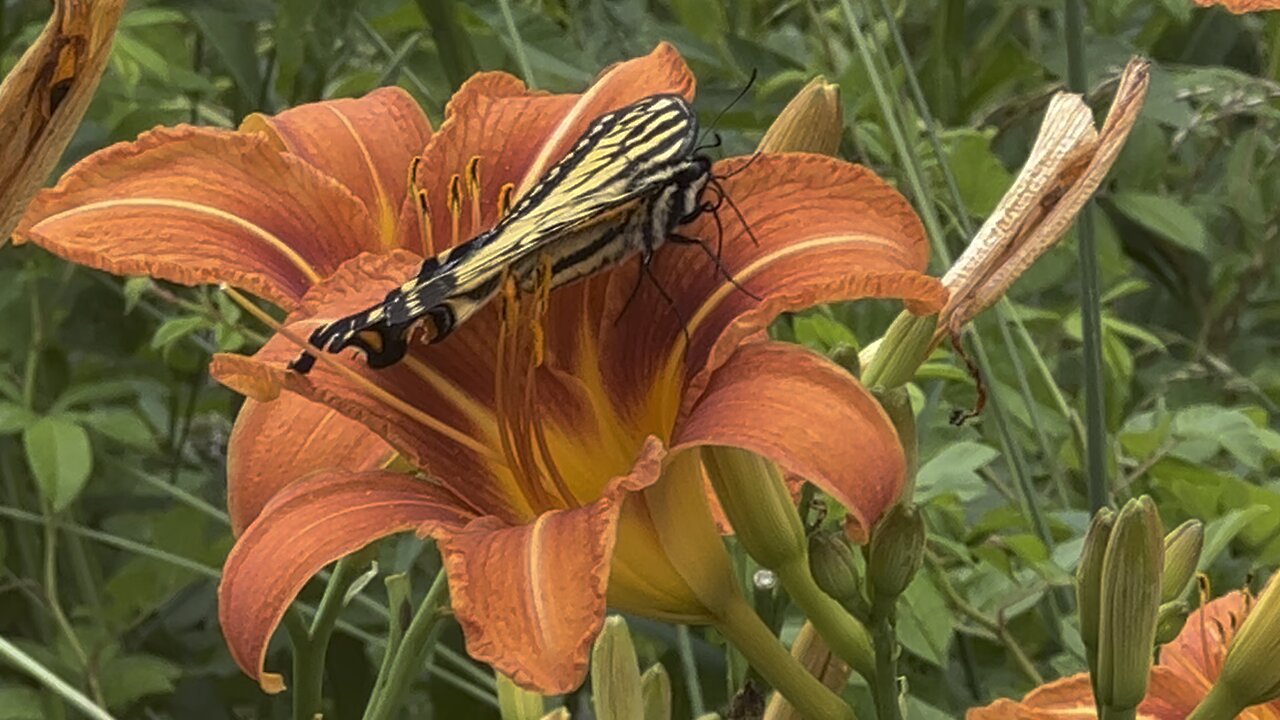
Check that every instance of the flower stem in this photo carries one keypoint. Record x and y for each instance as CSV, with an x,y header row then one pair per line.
x,y
409,657
1109,713
847,637
311,644
1217,705
884,689
742,627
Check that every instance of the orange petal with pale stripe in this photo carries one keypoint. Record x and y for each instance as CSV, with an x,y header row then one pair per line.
x,y
275,443
531,598
435,407
821,230
307,526
366,144
1071,698
1242,6
808,415
199,205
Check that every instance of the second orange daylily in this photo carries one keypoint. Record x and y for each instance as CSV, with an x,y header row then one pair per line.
x,y
1188,668
553,433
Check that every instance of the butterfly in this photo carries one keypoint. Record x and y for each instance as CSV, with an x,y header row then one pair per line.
x,y
632,178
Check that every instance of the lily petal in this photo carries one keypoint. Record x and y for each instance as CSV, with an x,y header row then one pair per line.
x,y
531,598
1199,650
434,407
492,117
199,205
808,415
275,443
1072,697
1242,6
307,526
827,230
365,144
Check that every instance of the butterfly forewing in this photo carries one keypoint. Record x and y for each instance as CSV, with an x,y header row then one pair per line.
x,y
632,175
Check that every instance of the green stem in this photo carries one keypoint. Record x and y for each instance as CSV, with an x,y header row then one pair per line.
x,y
746,631
27,664
884,689
411,653
846,637
1090,294
684,645
1217,705
310,645
1109,713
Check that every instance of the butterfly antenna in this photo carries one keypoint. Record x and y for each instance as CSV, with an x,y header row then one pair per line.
x,y
750,161
736,211
719,116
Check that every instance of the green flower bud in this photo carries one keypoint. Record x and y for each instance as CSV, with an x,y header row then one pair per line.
x,y
757,503
896,402
516,703
1129,605
834,565
615,676
1182,548
1089,583
1170,619
893,359
655,689
812,122
1251,671
897,551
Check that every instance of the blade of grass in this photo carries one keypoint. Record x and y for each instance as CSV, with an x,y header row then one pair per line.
x,y
517,43
457,57
386,50
1095,407
43,675
684,645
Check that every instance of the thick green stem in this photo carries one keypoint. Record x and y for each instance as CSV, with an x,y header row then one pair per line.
x,y
742,627
310,645
885,688
410,656
1121,714
846,637
1217,705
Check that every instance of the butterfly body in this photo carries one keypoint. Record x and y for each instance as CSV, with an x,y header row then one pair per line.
x,y
631,179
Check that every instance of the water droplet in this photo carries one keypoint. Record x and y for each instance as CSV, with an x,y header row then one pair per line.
x,y
764,579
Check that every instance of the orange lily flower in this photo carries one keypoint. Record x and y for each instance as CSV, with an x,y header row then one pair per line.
x,y
1188,668
552,432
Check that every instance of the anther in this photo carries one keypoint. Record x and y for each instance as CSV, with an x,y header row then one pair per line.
x,y
473,189
411,184
505,194
455,208
424,225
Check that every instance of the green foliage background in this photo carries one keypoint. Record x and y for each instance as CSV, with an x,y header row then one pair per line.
x,y
113,438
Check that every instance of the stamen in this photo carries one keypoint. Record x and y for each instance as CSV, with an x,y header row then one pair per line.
x,y
507,412
455,208
359,380
411,184
505,194
473,189
424,225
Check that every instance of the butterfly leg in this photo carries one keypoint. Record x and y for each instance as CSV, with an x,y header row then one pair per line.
x,y
679,239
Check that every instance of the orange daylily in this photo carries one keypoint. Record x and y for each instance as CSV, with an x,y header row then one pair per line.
x,y
1188,667
550,430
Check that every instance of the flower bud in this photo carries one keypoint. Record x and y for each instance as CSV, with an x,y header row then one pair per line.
x,y
615,676
1170,619
897,551
1252,668
1182,548
1129,605
757,503
893,359
896,402
655,690
835,569
1089,582
516,703
812,122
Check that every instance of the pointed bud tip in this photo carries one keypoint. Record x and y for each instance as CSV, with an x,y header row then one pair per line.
x,y
812,122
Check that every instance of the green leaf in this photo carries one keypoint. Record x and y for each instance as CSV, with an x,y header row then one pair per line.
x,y
175,329
955,470
122,425
14,417
60,457
131,677
981,177
134,289
20,703
1166,218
